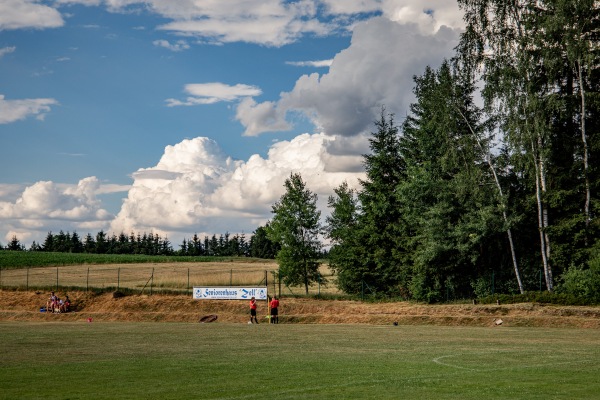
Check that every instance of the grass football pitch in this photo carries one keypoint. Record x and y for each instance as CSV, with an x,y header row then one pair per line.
x,y
101,360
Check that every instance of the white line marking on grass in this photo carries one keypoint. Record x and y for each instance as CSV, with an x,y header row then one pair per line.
x,y
437,360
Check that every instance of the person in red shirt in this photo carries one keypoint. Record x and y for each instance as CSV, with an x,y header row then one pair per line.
x,y
274,310
253,310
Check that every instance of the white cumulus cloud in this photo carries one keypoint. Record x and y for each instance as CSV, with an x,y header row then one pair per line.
x,y
213,92
6,50
27,14
316,64
179,45
376,70
195,187
258,118
43,206
15,110
279,22
429,15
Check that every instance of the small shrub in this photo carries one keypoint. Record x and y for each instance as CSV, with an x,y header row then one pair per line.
x,y
582,282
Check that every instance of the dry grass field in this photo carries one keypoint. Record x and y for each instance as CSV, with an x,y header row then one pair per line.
x,y
158,276
25,306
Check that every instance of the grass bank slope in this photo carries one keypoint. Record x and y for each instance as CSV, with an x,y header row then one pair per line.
x,y
25,306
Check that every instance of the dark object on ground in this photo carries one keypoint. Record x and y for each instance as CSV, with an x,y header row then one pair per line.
x,y
117,295
208,318
396,323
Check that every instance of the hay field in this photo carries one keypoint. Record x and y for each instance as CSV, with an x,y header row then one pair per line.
x,y
146,277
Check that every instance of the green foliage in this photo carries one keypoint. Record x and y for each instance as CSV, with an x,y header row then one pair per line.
x,y
540,71
146,244
583,282
15,245
342,225
261,246
296,228
448,196
26,259
378,241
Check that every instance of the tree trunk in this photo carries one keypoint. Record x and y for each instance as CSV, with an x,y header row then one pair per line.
x,y
306,276
502,200
588,193
542,218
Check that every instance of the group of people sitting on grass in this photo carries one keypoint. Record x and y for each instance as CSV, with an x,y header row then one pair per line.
x,y
57,305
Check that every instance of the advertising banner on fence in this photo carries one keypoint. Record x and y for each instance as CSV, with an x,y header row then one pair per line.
x,y
230,293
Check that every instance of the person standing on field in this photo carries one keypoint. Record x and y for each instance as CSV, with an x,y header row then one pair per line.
x,y
253,310
274,310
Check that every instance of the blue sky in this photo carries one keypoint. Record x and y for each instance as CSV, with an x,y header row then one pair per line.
x,y
183,117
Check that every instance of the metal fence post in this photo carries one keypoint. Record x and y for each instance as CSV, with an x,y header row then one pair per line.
x,y
87,280
27,284
118,278
57,279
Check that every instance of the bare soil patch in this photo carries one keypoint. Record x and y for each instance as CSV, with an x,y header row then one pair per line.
x,y
25,306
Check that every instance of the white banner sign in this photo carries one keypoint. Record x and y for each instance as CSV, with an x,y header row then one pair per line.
x,y
230,293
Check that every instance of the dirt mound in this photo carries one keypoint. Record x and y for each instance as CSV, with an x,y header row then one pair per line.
x,y
25,306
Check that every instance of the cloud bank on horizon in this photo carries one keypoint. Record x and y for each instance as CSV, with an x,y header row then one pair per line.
x,y
195,187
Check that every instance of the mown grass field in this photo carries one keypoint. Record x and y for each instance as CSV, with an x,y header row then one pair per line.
x,y
239,361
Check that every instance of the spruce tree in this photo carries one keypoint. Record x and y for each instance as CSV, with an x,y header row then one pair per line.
x,y
296,228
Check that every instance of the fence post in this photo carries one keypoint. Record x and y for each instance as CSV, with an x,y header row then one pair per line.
x,y
118,278
57,279
319,291
87,280
188,283
151,281
362,290
231,277
27,284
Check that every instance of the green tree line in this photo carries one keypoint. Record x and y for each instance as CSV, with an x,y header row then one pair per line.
x,y
153,244
460,194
